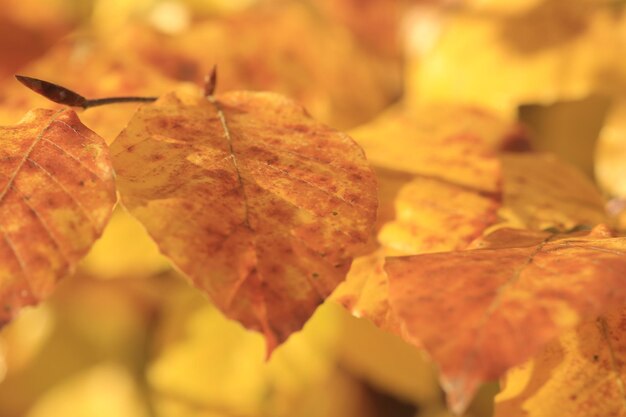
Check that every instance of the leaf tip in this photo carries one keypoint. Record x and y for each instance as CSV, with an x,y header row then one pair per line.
x,y
52,92
210,82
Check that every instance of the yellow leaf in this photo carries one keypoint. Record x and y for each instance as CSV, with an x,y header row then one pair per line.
x,y
547,54
56,195
261,206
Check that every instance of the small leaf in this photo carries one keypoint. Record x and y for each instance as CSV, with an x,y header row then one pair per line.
x,y
262,207
56,195
53,92
479,312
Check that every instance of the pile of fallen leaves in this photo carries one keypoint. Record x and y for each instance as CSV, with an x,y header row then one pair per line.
x,y
459,249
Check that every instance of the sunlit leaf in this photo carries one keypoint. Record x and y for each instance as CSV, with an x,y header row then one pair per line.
x,y
261,206
479,312
57,193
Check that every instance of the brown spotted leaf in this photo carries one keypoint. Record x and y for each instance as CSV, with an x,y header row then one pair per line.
x,y
583,373
479,312
450,182
261,206
57,192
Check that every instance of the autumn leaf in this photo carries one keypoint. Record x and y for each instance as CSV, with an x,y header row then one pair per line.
x,y
581,373
479,312
56,196
261,206
450,180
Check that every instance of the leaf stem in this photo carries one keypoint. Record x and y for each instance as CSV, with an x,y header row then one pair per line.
x,y
65,96
112,100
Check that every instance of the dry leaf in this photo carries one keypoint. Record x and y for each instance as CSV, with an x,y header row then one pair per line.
x,y
479,312
580,374
56,196
461,188
261,206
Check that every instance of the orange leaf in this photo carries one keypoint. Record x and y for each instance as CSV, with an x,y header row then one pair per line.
x,y
260,205
56,195
479,312
580,374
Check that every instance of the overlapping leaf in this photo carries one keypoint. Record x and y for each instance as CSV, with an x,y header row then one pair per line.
x,y
581,374
261,206
56,195
461,187
481,311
